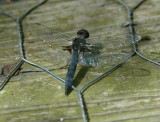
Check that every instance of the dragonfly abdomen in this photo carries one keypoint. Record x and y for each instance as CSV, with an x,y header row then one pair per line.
x,y
71,71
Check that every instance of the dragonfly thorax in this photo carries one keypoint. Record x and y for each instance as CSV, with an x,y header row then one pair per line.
x,y
77,42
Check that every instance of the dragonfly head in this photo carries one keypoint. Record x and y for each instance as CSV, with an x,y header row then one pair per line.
x,y
83,34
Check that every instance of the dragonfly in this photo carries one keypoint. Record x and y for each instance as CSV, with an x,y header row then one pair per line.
x,y
78,45
95,51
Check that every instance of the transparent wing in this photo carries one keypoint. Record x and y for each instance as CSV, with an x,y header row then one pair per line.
x,y
107,50
46,46
47,34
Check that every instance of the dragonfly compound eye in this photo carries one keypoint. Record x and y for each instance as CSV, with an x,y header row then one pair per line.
x,y
83,32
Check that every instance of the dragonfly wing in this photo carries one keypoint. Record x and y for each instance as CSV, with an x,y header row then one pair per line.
x,y
90,54
71,71
107,50
47,46
47,34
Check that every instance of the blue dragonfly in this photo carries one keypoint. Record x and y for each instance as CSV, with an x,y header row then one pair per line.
x,y
100,51
78,45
